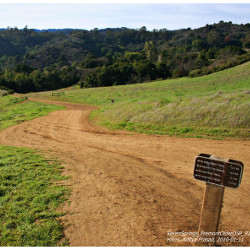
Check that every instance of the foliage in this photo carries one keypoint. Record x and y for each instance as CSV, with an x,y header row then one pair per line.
x,y
211,69
37,61
25,79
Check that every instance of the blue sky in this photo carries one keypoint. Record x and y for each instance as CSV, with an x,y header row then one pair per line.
x,y
103,15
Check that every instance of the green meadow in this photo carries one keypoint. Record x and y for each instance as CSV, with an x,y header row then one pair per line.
x,y
28,196
211,106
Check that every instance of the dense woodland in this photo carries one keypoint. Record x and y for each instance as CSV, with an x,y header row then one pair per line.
x,y
32,60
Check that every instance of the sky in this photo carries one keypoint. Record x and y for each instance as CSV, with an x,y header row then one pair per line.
x,y
99,14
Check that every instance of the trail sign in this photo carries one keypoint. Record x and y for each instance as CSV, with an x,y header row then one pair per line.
x,y
221,172
218,173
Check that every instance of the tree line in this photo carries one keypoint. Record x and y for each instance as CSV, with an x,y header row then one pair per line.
x,y
24,79
36,61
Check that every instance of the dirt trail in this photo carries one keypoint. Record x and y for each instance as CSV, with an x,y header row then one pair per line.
x,y
131,189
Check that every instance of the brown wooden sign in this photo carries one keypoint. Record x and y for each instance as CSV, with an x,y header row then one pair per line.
x,y
227,173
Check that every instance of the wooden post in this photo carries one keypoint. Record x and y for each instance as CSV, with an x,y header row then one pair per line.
x,y
210,214
211,211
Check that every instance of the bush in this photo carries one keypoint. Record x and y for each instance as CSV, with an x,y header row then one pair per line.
x,y
10,92
207,70
195,73
81,84
244,58
3,87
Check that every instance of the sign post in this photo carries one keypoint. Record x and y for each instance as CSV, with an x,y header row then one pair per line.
x,y
218,173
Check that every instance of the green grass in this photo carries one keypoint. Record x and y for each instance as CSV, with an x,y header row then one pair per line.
x,y
14,110
29,199
215,105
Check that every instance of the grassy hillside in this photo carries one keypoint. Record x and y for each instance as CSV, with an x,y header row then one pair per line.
x,y
216,105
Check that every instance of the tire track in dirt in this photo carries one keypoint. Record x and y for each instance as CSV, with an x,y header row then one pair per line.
x,y
130,189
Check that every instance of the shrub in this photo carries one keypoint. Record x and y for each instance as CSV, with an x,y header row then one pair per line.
x,y
195,73
81,84
10,92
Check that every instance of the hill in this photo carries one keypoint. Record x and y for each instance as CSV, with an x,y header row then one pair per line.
x,y
46,60
215,105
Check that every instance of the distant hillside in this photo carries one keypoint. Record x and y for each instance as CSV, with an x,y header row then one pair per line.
x,y
117,56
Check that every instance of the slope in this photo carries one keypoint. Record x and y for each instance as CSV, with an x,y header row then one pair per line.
x,y
215,105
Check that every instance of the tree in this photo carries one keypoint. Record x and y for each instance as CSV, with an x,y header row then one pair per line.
x,y
106,76
246,41
89,61
90,81
162,70
214,38
23,68
37,78
198,45
23,83
145,70
9,75
51,80
151,51
133,56
68,76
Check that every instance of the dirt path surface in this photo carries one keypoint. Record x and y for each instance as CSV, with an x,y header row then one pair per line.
x,y
131,189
